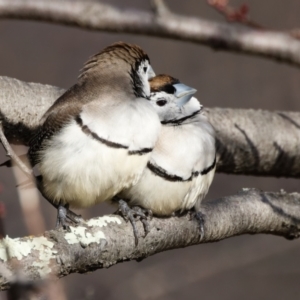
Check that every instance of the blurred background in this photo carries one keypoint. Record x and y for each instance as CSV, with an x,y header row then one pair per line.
x,y
245,267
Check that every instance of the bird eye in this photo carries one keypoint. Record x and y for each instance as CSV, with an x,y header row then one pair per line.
x,y
161,102
145,69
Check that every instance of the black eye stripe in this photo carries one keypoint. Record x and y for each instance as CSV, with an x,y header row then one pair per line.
x,y
167,88
145,69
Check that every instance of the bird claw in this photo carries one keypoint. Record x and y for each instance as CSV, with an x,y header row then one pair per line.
x,y
134,214
200,218
143,216
65,216
61,221
76,219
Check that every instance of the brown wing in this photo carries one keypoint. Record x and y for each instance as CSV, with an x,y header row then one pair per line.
x,y
70,103
60,113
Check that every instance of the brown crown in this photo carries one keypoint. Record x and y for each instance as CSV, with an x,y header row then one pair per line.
x,y
121,49
130,53
163,82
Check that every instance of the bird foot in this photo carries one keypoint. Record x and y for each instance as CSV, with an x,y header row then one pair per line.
x,y
66,217
61,220
134,214
76,219
200,218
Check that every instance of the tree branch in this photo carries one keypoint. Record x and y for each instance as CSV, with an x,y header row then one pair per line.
x,y
160,23
250,142
106,241
11,153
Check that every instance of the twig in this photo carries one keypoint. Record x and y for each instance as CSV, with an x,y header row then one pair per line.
x,y
241,15
162,22
232,14
10,153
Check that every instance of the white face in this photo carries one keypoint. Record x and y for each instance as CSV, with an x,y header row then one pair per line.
x,y
172,108
145,72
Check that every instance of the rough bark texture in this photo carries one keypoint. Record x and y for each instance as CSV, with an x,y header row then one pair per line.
x,y
257,142
22,105
250,142
160,23
105,241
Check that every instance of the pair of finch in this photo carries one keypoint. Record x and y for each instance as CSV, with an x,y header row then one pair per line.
x,y
123,133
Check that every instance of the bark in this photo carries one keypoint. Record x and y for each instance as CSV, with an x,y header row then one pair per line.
x,y
257,142
105,241
250,142
22,105
159,23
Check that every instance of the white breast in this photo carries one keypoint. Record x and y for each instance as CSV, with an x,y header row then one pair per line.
x,y
82,171
132,123
165,197
180,151
153,192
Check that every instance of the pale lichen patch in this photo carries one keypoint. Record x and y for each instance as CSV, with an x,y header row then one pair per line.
x,y
45,254
19,248
79,235
16,248
103,221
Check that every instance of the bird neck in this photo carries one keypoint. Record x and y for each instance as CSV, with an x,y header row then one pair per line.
x,y
191,112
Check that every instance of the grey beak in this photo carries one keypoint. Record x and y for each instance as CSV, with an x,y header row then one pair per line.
x,y
151,73
183,93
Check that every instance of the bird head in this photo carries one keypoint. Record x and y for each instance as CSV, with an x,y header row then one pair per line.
x,y
120,66
172,100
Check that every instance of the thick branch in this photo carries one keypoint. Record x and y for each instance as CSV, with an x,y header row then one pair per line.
x,y
105,241
251,142
22,105
160,23
257,142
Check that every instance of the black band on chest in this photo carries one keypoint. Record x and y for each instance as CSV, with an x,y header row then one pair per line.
x,y
157,170
108,143
140,152
208,169
164,174
95,136
180,121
